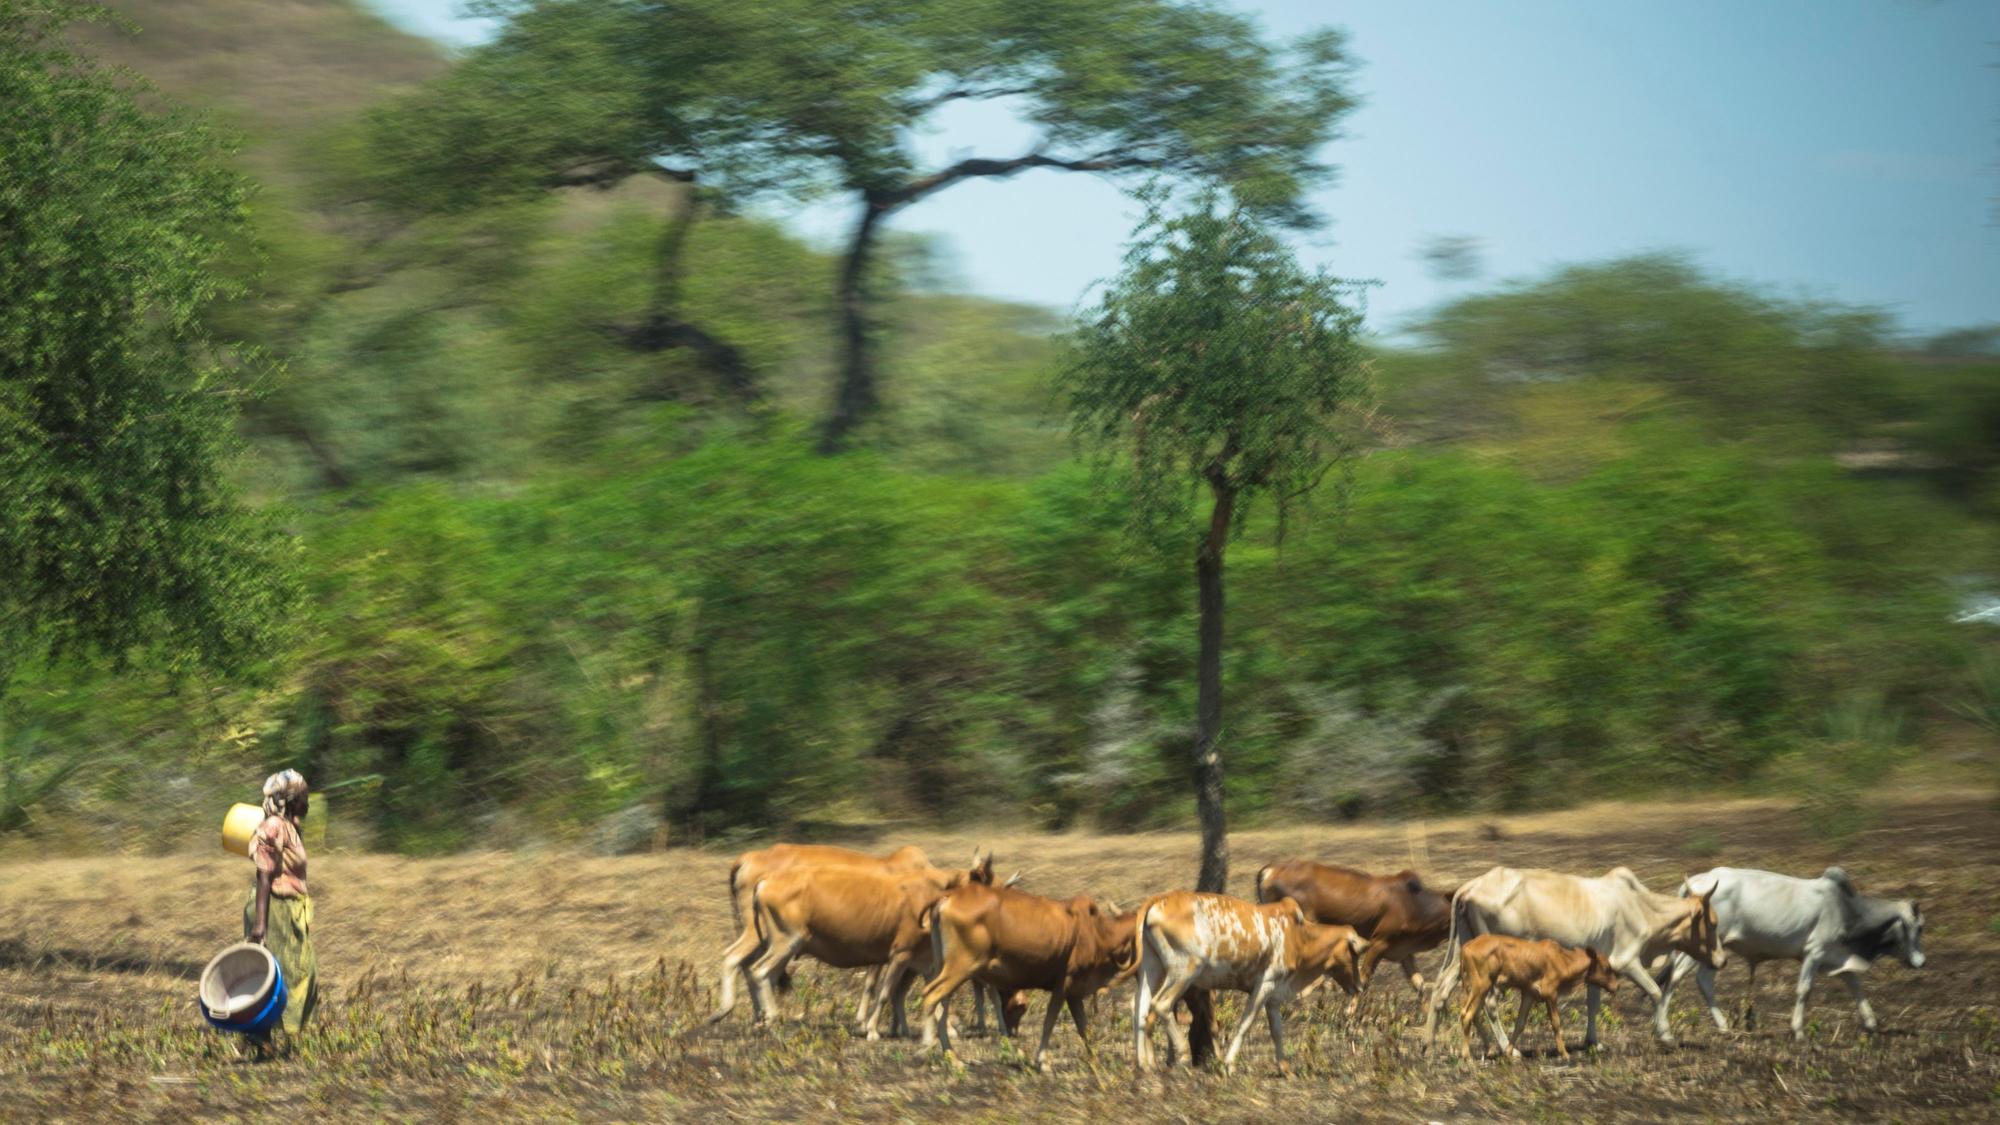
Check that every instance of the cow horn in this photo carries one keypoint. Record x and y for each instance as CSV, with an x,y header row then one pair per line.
x,y
1012,879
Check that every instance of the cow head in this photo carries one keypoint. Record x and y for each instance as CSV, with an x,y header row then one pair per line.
x,y
1333,952
1599,971
1698,933
981,870
1903,937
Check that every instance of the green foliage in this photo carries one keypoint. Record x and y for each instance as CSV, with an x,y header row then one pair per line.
x,y
1792,370
794,92
1215,358
120,534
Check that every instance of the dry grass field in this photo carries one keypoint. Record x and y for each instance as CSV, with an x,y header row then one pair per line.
x,y
545,986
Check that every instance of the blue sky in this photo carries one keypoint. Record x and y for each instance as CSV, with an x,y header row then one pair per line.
x,y
1847,149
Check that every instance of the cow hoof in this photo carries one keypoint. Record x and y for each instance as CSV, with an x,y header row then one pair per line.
x,y
1669,1041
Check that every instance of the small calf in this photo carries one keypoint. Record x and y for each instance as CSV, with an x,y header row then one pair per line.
x,y
1541,970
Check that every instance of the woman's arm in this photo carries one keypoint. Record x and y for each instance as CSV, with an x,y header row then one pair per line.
x,y
263,907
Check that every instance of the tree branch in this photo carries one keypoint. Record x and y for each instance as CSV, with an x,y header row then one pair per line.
x,y
606,176
961,93
988,167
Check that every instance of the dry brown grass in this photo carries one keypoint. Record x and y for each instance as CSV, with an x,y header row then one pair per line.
x,y
549,986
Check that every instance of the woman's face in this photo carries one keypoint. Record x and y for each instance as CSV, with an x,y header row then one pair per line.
x,y
298,806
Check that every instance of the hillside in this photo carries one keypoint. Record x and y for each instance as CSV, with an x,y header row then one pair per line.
x,y
555,581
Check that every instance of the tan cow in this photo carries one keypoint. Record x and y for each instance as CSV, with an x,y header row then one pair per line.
x,y
1188,940
753,867
1614,913
1015,941
1538,970
847,917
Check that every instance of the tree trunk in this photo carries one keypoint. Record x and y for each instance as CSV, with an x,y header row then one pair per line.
x,y
663,330
854,400
1208,695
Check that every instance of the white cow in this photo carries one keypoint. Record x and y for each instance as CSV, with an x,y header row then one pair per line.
x,y
1824,924
1187,940
1613,913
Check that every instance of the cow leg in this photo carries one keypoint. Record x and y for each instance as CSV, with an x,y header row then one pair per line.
x,y
1142,1007
897,997
1413,975
886,978
1446,982
869,983
1555,1024
1806,968
978,1009
933,1008
1591,998
1468,1014
1513,1040
1750,1000
1637,974
1853,983
1082,1025
1274,1013
1168,995
1253,1002
1049,1016
1704,978
735,960
777,954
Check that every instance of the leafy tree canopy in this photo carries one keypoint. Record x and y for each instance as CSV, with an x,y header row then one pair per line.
x,y
1216,358
120,531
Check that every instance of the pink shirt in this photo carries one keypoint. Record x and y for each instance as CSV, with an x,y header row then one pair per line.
x,y
278,850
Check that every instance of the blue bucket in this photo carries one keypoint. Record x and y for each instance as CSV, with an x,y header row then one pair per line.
x,y
242,990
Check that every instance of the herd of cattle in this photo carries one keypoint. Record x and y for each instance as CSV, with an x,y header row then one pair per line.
x,y
1537,933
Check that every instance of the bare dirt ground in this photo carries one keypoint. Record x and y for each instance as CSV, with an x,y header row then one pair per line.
x,y
546,986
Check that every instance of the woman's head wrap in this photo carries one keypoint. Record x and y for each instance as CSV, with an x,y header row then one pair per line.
x,y
281,789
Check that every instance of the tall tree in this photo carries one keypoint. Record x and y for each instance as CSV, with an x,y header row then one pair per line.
x,y
1215,362
591,93
804,94
120,535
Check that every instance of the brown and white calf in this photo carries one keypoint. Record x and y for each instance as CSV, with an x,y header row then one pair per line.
x,y
1014,941
753,867
1538,970
1635,929
1398,915
1186,940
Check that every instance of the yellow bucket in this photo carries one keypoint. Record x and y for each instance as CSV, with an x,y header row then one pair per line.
x,y
239,826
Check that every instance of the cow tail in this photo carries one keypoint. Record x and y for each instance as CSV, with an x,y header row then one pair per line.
x,y
1263,879
736,906
934,922
1838,877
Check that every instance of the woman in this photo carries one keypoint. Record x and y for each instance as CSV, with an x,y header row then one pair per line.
x,y
279,913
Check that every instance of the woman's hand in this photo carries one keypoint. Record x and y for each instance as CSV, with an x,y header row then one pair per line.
x,y
257,932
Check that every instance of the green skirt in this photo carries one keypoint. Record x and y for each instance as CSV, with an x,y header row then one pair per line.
x,y
288,935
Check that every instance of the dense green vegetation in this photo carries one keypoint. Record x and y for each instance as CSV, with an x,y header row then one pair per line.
x,y
1626,527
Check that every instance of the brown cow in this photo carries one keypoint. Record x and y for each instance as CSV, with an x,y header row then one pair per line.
x,y
1015,941
1538,970
1186,940
849,918
753,867
1396,913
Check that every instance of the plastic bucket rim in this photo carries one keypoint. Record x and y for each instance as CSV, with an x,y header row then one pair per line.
x,y
271,984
